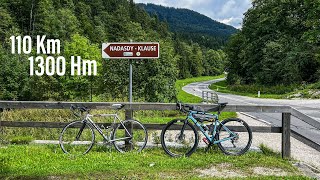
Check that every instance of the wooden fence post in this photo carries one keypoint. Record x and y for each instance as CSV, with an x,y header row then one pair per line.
x,y
286,146
129,114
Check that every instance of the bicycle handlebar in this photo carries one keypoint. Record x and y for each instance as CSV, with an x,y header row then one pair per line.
x,y
75,109
188,107
182,107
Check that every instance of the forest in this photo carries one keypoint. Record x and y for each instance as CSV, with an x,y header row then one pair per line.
x,y
82,26
279,44
192,26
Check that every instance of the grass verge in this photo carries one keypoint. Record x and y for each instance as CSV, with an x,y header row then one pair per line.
x,y
39,162
275,92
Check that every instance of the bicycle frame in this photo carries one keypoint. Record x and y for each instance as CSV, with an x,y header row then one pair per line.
x,y
216,123
87,119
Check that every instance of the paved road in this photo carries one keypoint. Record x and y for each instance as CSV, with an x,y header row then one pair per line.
x,y
309,107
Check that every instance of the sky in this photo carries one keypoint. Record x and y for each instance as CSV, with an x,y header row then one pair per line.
x,y
226,11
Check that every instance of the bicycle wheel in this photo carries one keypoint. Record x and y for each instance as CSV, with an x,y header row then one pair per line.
x,y
131,135
77,138
176,144
236,136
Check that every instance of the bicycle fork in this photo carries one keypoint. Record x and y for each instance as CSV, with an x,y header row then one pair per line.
x,y
182,130
81,130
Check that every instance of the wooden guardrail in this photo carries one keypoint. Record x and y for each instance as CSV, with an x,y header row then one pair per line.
x,y
286,111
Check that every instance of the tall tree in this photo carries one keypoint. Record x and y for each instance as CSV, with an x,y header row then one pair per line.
x,y
276,44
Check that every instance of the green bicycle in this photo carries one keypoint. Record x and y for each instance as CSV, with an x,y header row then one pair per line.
x,y
180,138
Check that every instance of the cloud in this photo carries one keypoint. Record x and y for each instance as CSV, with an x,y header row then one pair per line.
x,y
229,11
235,22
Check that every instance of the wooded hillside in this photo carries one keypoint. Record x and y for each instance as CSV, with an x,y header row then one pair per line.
x,y
192,26
278,44
81,27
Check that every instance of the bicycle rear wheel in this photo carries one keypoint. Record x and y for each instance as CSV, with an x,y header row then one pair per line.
x,y
177,142
131,135
77,138
236,135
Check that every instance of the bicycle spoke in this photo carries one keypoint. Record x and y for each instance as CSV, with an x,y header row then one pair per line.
x,y
76,141
179,139
236,137
130,136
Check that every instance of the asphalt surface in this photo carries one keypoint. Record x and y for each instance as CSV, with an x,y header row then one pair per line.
x,y
308,107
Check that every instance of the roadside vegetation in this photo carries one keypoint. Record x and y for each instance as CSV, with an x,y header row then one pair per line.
x,y
275,92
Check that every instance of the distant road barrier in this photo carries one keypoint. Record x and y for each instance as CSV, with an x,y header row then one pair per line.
x,y
210,97
286,111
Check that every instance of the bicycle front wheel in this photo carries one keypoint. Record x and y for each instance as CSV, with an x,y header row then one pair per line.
x,y
235,136
130,135
179,138
77,138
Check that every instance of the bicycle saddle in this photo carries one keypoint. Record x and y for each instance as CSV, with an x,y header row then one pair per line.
x,y
117,106
81,109
222,104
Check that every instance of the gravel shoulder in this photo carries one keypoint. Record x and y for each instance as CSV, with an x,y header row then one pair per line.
x,y
299,151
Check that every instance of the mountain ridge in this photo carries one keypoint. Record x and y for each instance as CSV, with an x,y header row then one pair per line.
x,y
192,25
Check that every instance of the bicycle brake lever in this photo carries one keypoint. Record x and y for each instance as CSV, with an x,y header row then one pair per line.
x,y
72,107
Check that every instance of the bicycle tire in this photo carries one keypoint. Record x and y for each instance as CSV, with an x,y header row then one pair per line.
x,y
139,136
246,137
174,149
68,142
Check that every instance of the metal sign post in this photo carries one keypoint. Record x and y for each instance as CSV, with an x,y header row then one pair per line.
x,y
131,50
130,81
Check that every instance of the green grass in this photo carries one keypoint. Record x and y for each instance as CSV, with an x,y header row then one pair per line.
x,y
274,92
39,162
21,140
267,151
186,97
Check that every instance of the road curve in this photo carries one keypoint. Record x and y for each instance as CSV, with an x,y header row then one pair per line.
x,y
309,107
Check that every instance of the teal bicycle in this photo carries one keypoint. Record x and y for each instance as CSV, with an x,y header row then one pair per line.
x,y
180,138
